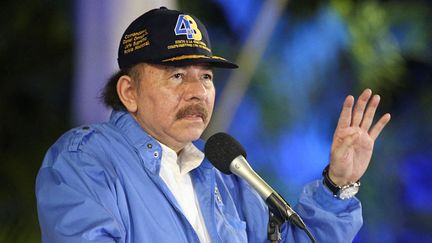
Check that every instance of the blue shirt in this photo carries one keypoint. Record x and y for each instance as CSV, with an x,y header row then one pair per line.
x,y
101,183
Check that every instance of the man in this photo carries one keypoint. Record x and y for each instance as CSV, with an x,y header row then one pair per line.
x,y
141,177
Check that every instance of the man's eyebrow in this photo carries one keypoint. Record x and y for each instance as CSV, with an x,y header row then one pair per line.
x,y
207,67
173,68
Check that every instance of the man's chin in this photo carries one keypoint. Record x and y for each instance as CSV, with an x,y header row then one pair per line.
x,y
190,128
196,133
193,133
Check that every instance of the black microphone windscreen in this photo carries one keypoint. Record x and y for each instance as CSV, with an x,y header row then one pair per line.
x,y
221,149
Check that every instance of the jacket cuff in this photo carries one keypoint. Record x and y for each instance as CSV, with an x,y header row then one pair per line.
x,y
326,200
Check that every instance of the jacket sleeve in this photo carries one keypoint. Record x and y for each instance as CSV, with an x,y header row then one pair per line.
x,y
75,200
329,219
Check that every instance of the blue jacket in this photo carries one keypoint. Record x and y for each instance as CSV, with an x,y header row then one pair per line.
x,y
101,183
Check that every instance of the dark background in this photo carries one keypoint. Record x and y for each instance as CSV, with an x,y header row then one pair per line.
x,y
319,52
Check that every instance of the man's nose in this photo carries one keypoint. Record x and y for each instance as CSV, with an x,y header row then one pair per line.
x,y
195,89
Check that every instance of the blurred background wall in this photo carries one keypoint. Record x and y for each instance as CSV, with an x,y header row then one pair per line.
x,y
298,60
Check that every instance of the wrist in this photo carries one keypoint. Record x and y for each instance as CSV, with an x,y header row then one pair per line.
x,y
340,191
337,180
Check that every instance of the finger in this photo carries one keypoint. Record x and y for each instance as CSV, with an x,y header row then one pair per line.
x,y
378,127
345,115
360,107
370,113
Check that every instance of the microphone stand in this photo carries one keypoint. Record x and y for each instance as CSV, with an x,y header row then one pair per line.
x,y
279,212
274,227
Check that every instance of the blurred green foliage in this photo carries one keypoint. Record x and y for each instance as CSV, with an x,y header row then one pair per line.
x,y
379,59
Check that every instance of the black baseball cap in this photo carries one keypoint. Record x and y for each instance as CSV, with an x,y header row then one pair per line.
x,y
168,37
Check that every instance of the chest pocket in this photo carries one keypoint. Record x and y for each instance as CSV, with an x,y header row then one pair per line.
x,y
229,225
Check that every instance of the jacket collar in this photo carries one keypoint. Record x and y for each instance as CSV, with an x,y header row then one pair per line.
x,y
131,128
136,135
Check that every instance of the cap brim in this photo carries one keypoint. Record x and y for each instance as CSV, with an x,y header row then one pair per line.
x,y
185,60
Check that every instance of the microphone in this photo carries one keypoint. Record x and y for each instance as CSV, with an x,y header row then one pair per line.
x,y
229,156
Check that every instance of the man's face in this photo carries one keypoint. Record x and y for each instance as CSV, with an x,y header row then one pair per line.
x,y
174,104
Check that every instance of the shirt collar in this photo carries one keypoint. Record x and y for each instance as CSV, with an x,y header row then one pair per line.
x,y
189,158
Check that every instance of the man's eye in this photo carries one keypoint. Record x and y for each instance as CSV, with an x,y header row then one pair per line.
x,y
208,77
178,76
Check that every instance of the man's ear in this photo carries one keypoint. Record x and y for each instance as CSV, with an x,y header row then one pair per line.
x,y
126,90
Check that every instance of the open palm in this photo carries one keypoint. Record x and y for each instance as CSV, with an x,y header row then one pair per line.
x,y
354,138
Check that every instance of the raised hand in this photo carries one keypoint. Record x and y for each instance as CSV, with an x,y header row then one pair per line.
x,y
354,138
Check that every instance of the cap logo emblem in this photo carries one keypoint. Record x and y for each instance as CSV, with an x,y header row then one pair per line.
x,y
186,25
